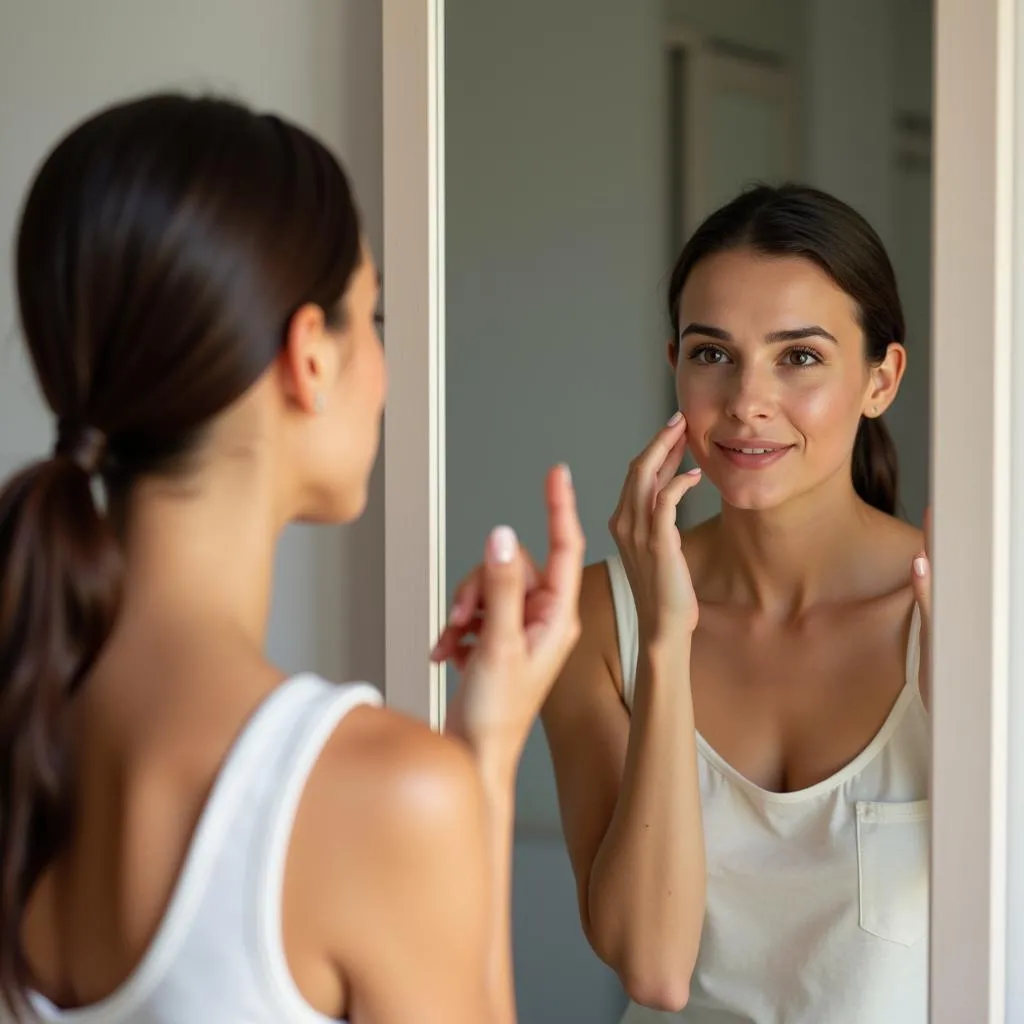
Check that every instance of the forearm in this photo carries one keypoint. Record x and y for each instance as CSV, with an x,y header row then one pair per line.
x,y
647,885
497,772
499,787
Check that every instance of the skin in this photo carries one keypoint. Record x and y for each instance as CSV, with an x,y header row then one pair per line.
x,y
396,890
778,629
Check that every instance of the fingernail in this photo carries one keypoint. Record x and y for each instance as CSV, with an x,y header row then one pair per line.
x,y
459,614
676,417
502,545
920,566
567,472
696,472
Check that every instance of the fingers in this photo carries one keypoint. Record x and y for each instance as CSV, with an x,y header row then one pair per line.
x,y
504,588
653,462
923,585
671,465
667,503
566,543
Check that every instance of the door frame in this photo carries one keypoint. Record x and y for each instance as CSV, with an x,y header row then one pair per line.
x,y
974,323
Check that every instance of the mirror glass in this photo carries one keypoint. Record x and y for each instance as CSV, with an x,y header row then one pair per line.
x,y
586,141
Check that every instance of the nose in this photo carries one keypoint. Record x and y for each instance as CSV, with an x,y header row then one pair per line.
x,y
754,394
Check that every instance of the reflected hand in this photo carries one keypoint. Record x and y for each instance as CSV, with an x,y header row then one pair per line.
x,y
645,532
923,596
512,627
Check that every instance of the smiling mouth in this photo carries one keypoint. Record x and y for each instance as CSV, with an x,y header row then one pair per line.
x,y
755,451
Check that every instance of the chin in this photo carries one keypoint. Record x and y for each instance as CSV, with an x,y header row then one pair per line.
x,y
337,509
749,496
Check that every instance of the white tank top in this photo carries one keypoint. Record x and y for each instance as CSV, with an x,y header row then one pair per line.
x,y
218,954
817,900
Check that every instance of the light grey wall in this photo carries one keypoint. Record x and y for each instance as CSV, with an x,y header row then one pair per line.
x,y
314,61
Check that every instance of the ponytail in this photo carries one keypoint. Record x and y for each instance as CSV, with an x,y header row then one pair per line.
x,y
60,589
875,465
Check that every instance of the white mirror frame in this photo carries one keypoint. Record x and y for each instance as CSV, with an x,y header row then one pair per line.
x,y
975,324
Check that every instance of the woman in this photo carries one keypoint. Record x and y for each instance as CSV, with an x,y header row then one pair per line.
x,y
186,835
740,738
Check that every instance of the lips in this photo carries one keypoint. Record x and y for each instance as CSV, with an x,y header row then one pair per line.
x,y
753,446
752,453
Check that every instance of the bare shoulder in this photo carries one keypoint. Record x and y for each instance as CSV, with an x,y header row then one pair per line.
x,y
892,544
389,773
598,644
392,815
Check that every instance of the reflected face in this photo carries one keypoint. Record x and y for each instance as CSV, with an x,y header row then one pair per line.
x,y
772,375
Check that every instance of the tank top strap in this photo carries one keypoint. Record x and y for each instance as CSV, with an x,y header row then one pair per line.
x,y
626,625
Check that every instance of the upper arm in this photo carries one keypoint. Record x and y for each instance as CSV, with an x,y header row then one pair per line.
x,y
406,875
587,728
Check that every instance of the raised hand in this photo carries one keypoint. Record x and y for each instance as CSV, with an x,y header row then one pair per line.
x,y
645,531
512,626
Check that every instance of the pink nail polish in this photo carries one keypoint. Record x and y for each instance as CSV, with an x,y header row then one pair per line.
x,y
676,417
921,566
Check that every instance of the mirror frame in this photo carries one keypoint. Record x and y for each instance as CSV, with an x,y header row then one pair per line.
x,y
975,256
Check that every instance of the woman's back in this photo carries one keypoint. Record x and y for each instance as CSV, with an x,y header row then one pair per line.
x,y
151,934
214,873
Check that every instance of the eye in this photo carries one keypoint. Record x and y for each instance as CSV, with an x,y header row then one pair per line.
x,y
708,355
801,357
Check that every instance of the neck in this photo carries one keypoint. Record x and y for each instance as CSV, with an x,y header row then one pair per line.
x,y
203,552
788,559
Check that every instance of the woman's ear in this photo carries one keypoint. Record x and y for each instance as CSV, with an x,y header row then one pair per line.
x,y
673,354
884,380
308,359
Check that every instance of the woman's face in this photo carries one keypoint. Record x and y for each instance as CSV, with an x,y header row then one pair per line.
x,y
772,375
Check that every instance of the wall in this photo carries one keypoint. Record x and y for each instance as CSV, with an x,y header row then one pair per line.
x,y
316,62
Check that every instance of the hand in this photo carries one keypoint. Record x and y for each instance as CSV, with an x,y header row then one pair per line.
x,y
644,528
512,627
923,595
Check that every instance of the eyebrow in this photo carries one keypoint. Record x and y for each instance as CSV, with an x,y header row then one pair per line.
x,y
795,334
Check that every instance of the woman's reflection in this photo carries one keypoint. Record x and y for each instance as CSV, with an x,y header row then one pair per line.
x,y
740,740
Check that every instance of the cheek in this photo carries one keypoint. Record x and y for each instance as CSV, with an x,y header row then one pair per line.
x,y
823,406
700,400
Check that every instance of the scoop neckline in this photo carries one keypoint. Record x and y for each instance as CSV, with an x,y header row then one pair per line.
x,y
832,782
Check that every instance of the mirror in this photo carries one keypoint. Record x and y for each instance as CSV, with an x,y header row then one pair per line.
x,y
585,142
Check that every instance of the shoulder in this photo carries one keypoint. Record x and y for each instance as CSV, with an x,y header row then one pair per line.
x,y
890,548
409,776
597,614
388,802
596,654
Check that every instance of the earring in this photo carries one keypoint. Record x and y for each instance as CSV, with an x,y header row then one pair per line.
x,y
319,403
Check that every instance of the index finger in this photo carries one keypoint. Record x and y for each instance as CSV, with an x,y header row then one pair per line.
x,y
566,543
654,456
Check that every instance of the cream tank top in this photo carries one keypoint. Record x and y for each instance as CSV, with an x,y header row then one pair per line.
x,y
218,955
817,900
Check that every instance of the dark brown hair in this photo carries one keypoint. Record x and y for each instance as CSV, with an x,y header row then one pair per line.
x,y
803,222
164,246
